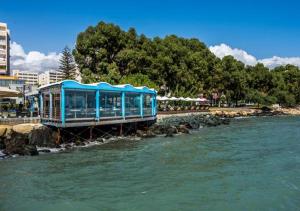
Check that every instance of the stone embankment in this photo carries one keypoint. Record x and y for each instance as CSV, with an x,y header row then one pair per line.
x,y
23,139
32,139
233,113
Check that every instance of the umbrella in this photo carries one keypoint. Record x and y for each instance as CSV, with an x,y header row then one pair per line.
x,y
203,100
6,92
162,98
174,98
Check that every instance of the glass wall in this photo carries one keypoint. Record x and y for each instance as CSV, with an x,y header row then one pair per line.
x,y
110,104
56,106
80,104
147,104
132,104
46,105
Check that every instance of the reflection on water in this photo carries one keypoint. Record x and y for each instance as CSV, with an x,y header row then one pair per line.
x,y
253,163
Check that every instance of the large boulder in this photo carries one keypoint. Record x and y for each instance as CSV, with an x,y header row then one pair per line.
x,y
183,129
22,139
4,131
38,134
171,131
25,128
43,136
18,143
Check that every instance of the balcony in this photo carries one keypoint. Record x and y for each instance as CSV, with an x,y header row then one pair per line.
x,y
3,33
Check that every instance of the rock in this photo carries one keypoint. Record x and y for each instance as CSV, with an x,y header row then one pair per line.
x,y
30,150
171,131
79,143
25,128
226,121
157,129
43,136
211,122
100,140
4,130
44,150
18,143
68,146
15,144
140,133
183,129
149,134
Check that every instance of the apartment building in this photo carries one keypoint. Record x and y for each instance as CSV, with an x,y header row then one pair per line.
x,y
50,77
30,78
4,49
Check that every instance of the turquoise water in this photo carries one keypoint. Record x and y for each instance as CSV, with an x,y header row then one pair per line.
x,y
251,164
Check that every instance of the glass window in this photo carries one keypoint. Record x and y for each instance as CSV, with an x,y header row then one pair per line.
x,y
80,104
147,105
110,104
132,104
46,105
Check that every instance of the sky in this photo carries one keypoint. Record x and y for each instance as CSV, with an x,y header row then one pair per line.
x,y
252,31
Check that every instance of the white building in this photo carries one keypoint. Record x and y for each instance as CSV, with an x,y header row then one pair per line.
x,y
50,77
30,78
4,49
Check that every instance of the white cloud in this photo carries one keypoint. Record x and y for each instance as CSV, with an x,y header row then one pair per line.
x,y
277,61
32,61
225,50
241,55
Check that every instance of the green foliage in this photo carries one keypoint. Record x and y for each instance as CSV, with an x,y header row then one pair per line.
x,y
138,80
67,65
179,67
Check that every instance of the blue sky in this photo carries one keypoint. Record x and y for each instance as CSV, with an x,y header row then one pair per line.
x,y
261,28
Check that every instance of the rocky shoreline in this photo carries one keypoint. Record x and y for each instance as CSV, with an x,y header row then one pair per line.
x,y
234,113
35,139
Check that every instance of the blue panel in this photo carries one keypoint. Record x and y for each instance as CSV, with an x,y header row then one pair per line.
x,y
50,105
142,105
62,108
123,105
41,105
153,105
97,105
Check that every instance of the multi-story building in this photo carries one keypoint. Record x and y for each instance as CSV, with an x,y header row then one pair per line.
x,y
4,49
50,77
30,78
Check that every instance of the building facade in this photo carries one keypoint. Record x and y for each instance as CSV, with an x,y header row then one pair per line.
x,y
49,77
4,49
71,104
30,78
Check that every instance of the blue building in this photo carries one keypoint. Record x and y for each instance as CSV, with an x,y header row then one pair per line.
x,y
72,104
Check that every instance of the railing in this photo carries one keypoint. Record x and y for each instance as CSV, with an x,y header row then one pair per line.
x,y
110,112
15,121
147,111
80,113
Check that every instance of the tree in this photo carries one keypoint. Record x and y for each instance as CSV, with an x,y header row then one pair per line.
x,y
180,67
67,65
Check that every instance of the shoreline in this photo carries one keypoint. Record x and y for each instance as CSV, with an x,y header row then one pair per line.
x,y
35,139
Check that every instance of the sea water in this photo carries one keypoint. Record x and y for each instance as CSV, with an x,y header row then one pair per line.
x,y
251,164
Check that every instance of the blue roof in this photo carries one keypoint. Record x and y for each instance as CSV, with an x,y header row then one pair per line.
x,y
71,84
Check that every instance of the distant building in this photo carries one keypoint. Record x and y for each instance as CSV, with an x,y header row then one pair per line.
x,y
49,77
4,49
30,78
12,82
